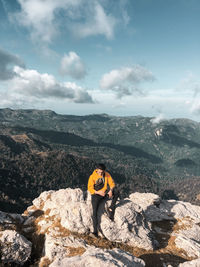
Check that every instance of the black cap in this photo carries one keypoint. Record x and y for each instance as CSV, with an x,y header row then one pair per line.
x,y
101,166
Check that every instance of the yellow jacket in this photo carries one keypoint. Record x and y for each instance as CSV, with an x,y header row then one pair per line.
x,y
95,176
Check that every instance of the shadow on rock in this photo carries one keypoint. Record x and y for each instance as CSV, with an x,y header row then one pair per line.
x,y
37,242
162,222
158,260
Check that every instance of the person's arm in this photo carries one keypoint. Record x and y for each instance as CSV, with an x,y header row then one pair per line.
x,y
111,185
91,185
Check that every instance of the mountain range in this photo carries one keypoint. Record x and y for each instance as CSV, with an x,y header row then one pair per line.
x,y
42,150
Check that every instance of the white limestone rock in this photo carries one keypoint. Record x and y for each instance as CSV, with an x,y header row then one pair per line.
x,y
39,202
187,237
57,247
144,200
156,209
150,204
14,247
75,214
180,209
129,226
191,247
77,217
68,209
194,263
98,258
187,228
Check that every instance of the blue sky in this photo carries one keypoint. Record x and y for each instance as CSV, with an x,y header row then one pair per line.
x,y
120,57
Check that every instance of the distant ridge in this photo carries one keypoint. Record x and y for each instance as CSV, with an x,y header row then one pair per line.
x,y
140,154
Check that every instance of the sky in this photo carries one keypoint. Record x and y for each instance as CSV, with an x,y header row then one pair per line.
x,y
119,57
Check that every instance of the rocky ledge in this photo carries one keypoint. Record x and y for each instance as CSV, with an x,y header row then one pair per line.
x,y
146,231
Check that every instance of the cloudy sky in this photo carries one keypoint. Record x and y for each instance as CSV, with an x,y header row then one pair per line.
x,y
120,57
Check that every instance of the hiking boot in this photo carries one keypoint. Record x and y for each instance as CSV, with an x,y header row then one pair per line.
x,y
110,213
93,235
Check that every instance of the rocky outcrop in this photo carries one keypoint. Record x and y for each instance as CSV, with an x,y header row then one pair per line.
x,y
99,257
185,232
194,263
74,213
14,247
54,231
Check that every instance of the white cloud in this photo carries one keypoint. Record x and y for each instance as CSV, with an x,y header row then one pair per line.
x,y
33,84
195,108
15,100
98,22
7,61
158,119
125,16
119,105
72,65
84,18
39,16
190,86
125,81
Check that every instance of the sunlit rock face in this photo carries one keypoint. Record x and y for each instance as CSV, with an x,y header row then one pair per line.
x,y
55,230
74,213
14,247
99,257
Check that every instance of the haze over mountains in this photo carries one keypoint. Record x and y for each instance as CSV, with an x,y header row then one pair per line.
x,y
42,150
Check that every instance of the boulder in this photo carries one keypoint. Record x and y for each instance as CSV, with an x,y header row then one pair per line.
x,y
15,248
75,214
63,220
150,204
129,226
184,216
10,218
194,263
156,209
180,209
59,247
191,247
99,257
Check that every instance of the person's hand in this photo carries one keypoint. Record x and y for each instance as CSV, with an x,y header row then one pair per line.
x,y
100,192
110,194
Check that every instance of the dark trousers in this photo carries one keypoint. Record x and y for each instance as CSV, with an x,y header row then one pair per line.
x,y
96,200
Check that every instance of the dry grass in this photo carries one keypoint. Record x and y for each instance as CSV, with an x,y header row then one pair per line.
x,y
166,253
26,212
62,232
182,224
49,197
107,244
72,251
44,262
177,251
47,211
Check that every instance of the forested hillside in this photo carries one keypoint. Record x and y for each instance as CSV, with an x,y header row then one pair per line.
x,y
42,150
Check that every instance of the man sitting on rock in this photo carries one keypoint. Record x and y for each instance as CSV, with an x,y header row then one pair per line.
x,y
101,186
